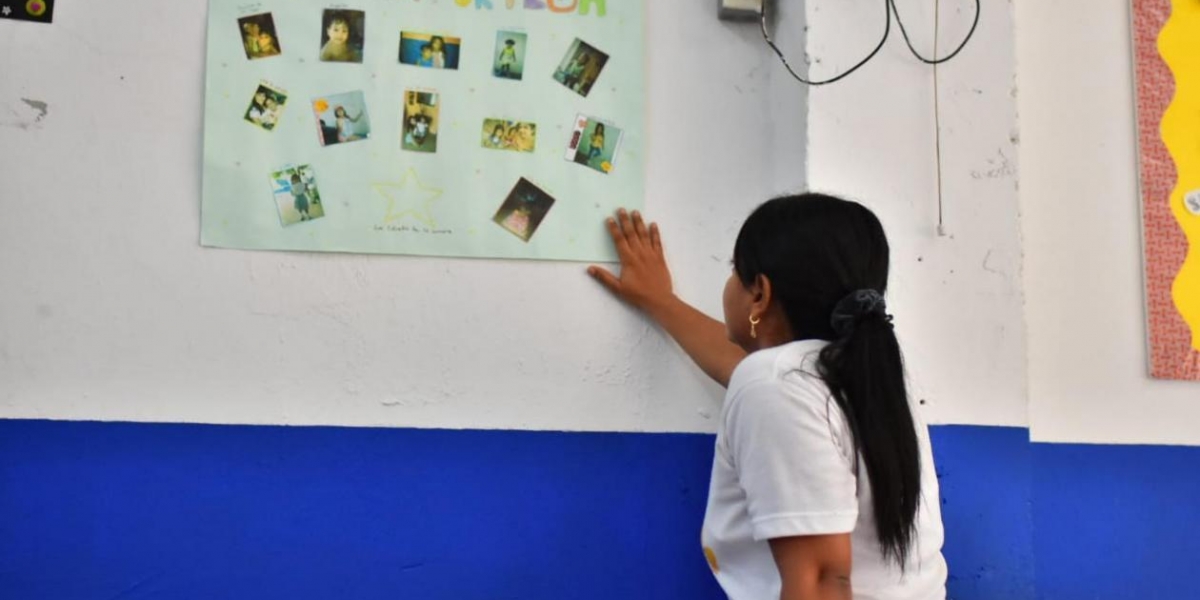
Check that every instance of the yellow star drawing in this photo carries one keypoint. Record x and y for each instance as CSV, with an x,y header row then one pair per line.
x,y
408,198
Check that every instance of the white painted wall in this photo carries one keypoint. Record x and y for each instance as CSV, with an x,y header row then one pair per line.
x,y
1088,375
110,310
957,298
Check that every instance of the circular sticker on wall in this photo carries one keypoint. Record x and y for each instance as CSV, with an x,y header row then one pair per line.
x,y
1192,202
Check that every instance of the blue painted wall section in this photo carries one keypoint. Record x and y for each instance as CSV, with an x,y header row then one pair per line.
x,y
1116,521
985,485
107,510
96,511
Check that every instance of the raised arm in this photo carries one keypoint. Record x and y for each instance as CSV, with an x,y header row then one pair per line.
x,y
645,283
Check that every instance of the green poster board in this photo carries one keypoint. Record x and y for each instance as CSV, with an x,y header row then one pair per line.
x,y
445,128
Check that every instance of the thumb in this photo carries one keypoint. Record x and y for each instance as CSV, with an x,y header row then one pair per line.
x,y
606,278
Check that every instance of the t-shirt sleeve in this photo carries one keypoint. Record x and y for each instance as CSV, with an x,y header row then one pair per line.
x,y
796,479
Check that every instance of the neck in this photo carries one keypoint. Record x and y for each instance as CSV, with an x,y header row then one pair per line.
x,y
765,340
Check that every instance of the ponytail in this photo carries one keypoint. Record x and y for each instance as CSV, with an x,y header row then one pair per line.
x,y
865,374
827,260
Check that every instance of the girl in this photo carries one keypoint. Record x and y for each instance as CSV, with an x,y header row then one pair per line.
x,y
517,221
574,71
300,193
258,107
507,58
338,48
418,131
266,45
820,462
524,137
345,128
426,59
250,35
597,145
270,115
497,139
437,47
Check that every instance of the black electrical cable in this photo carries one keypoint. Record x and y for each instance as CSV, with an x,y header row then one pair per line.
x,y
935,61
889,7
887,29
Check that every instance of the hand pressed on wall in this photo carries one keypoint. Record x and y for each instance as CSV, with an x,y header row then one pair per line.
x,y
644,280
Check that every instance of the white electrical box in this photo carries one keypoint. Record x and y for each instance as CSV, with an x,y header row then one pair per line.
x,y
740,10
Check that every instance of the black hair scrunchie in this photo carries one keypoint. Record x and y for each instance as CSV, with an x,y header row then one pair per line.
x,y
854,307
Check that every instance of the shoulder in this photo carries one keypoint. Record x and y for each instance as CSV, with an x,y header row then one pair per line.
x,y
777,404
778,381
793,363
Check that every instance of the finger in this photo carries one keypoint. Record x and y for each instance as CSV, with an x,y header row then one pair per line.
x,y
639,227
606,278
655,238
627,228
618,237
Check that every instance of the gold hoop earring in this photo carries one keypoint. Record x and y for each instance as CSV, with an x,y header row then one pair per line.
x,y
754,321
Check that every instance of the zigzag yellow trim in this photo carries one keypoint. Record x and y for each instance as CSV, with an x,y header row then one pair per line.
x,y
1179,45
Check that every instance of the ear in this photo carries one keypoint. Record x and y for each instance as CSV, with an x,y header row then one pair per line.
x,y
762,294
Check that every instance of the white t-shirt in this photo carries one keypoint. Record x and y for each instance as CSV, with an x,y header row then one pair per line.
x,y
785,465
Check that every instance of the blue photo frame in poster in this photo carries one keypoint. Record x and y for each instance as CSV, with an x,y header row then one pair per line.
x,y
430,50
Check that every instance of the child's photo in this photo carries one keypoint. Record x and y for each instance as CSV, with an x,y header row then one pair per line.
x,y
342,35
342,118
258,36
266,107
524,209
594,144
509,55
420,121
296,194
517,136
429,51
580,67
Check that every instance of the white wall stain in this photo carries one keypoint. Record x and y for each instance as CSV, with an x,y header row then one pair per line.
x,y
42,108
25,114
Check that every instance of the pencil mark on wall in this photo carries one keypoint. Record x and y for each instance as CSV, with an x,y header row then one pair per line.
x,y
997,168
986,267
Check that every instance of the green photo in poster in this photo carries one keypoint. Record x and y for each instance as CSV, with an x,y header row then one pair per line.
x,y
296,195
524,209
499,134
581,67
342,36
509,54
266,107
594,144
420,121
342,118
258,36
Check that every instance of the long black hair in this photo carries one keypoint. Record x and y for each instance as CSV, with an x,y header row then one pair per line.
x,y
817,250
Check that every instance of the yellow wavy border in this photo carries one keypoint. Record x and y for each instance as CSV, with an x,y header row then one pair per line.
x,y
1179,45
